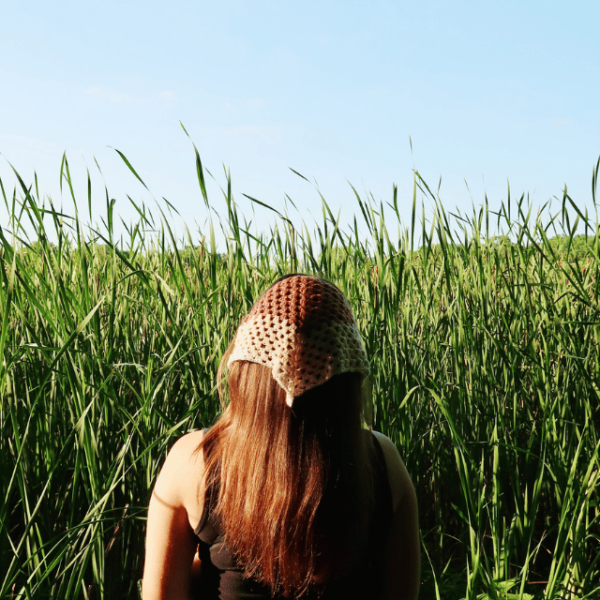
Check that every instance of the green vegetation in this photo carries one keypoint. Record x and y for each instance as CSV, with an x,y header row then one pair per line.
x,y
484,336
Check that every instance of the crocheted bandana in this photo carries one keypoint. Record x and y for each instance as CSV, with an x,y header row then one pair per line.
x,y
302,328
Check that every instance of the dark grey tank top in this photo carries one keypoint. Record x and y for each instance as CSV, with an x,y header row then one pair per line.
x,y
222,578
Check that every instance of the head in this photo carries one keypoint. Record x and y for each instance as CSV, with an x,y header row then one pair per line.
x,y
303,330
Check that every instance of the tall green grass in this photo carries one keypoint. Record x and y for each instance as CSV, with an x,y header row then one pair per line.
x,y
483,332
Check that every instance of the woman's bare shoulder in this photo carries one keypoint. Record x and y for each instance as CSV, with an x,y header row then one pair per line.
x,y
170,540
398,476
403,563
180,475
187,444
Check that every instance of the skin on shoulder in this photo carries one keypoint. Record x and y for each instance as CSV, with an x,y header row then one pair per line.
x,y
403,563
172,515
181,474
398,476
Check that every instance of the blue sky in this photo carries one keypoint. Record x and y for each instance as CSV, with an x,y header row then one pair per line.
x,y
488,91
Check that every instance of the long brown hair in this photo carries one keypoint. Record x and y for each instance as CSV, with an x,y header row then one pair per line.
x,y
295,487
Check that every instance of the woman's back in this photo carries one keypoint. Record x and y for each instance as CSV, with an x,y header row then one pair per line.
x,y
173,568
222,577
287,496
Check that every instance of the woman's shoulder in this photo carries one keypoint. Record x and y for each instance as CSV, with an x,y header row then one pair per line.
x,y
180,476
403,550
386,444
400,482
184,452
187,444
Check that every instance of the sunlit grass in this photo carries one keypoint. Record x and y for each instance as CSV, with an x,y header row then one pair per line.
x,y
485,359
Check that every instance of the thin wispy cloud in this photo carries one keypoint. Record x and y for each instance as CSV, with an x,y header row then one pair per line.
x,y
30,145
269,133
243,103
116,97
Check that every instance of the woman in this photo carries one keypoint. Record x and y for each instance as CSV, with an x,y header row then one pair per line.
x,y
287,495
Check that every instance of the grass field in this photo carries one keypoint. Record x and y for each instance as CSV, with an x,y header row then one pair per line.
x,y
483,332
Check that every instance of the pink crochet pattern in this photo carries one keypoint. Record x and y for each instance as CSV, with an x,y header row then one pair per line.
x,y
302,328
